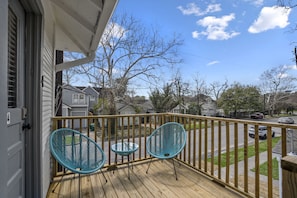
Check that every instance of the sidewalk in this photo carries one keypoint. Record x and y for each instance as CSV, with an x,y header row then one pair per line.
x,y
251,165
251,174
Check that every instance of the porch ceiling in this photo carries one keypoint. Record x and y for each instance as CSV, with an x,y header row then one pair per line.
x,y
80,24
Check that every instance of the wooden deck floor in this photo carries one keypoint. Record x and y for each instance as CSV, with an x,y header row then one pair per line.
x,y
159,182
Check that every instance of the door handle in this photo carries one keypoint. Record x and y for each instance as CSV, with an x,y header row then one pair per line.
x,y
26,126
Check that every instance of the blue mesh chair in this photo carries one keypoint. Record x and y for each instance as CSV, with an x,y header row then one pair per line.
x,y
76,152
166,142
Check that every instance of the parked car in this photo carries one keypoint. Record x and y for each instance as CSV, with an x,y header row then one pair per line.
x,y
262,130
257,115
286,120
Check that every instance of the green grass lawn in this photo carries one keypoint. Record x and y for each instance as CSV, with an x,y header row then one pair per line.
x,y
264,170
251,152
192,125
68,140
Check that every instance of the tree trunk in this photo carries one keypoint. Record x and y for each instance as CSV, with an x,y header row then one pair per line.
x,y
112,111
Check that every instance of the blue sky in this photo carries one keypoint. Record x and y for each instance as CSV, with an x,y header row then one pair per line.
x,y
233,39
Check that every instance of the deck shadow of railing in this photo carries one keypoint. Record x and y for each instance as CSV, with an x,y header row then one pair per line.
x,y
209,139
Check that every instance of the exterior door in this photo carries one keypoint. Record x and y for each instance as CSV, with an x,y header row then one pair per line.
x,y
16,112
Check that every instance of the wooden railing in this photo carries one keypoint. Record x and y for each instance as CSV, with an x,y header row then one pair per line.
x,y
217,147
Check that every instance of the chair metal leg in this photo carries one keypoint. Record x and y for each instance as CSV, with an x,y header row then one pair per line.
x,y
128,167
79,185
174,169
149,165
103,175
57,183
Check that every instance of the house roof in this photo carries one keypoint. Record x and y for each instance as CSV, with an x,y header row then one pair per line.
x,y
80,24
72,88
90,88
96,89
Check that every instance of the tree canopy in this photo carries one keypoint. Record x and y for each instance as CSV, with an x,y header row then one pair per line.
x,y
240,97
129,50
163,100
275,83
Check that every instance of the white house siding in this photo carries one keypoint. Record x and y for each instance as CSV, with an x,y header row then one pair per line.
x,y
125,111
209,108
48,84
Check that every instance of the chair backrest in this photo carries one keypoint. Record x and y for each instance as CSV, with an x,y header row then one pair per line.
x,y
75,151
167,141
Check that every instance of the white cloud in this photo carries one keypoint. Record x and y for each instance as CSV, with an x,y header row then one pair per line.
x,y
282,75
193,9
213,62
213,8
216,27
270,18
291,67
195,34
114,30
256,2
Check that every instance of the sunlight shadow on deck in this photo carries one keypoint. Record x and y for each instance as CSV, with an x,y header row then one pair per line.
x,y
159,182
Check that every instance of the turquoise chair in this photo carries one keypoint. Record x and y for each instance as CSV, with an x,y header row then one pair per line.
x,y
166,142
76,152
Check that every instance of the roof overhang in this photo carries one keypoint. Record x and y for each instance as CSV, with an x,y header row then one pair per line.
x,y
80,24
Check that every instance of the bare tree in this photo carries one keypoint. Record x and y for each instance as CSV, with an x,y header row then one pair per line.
x,y
128,50
200,92
69,75
180,89
287,3
217,88
275,82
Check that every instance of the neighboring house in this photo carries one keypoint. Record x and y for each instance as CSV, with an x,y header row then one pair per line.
x,y
180,108
209,107
76,103
93,97
31,33
122,109
147,107
66,109
94,94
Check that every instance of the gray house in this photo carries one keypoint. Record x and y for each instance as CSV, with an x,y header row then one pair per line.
x,y
180,108
75,103
93,96
209,107
31,33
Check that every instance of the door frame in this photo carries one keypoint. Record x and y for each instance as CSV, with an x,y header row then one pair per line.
x,y
33,137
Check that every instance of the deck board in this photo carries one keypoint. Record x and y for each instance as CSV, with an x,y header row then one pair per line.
x,y
159,182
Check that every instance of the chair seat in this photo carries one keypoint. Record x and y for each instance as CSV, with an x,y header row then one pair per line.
x,y
165,155
167,141
76,152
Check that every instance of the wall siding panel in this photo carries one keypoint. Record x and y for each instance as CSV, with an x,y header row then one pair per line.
x,y
47,105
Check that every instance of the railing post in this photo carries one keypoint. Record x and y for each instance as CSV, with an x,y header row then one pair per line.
x,y
289,170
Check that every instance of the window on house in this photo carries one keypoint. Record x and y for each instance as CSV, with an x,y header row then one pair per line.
x,y
92,98
78,98
75,98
